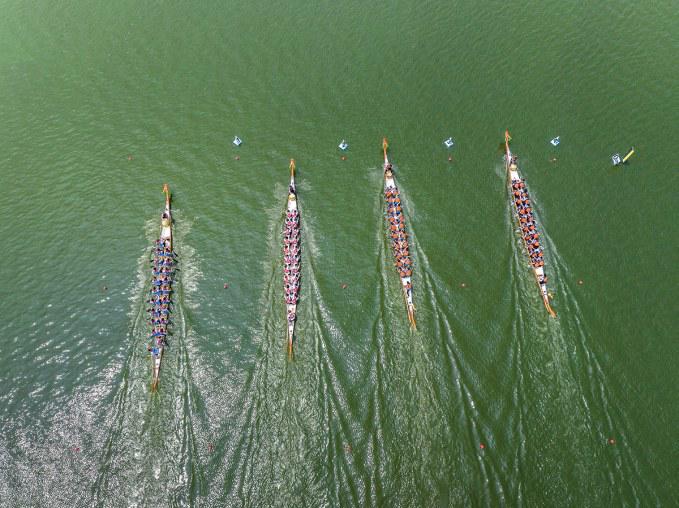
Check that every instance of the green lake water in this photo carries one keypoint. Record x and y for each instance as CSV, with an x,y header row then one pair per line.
x,y
488,403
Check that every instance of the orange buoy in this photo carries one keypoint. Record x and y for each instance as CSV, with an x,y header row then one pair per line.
x,y
344,157
343,286
580,282
463,285
611,441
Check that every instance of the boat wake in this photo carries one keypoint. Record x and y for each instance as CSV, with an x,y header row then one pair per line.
x,y
563,407
289,440
151,433
423,363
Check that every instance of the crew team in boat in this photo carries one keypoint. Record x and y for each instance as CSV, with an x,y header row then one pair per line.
x,y
291,258
529,231
399,237
527,226
163,271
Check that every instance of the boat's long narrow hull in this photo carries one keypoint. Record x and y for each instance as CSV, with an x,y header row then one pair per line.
x,y
398,235
514,178
291,258
160,260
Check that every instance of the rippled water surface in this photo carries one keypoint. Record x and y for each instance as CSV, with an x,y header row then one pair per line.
x,y
489,402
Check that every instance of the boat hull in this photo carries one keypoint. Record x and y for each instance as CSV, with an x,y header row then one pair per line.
x,y
514,177
391,189
291,258
158,349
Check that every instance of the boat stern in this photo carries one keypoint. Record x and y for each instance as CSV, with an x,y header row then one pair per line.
x,y
408,297
545,300
291,319
411,316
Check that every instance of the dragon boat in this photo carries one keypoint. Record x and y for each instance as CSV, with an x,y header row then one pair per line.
x,y
163,270
523,212
397,234
291,257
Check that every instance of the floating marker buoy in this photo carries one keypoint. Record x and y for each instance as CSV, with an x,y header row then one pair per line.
x,y
611,441
237,141
629,154
343,158
226,286
105,288
450,158
463,285
237,157
580,282
482,446
343,286
210,448
553,159
129,157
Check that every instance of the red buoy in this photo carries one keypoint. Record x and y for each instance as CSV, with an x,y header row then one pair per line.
x,y
226,286
482,446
